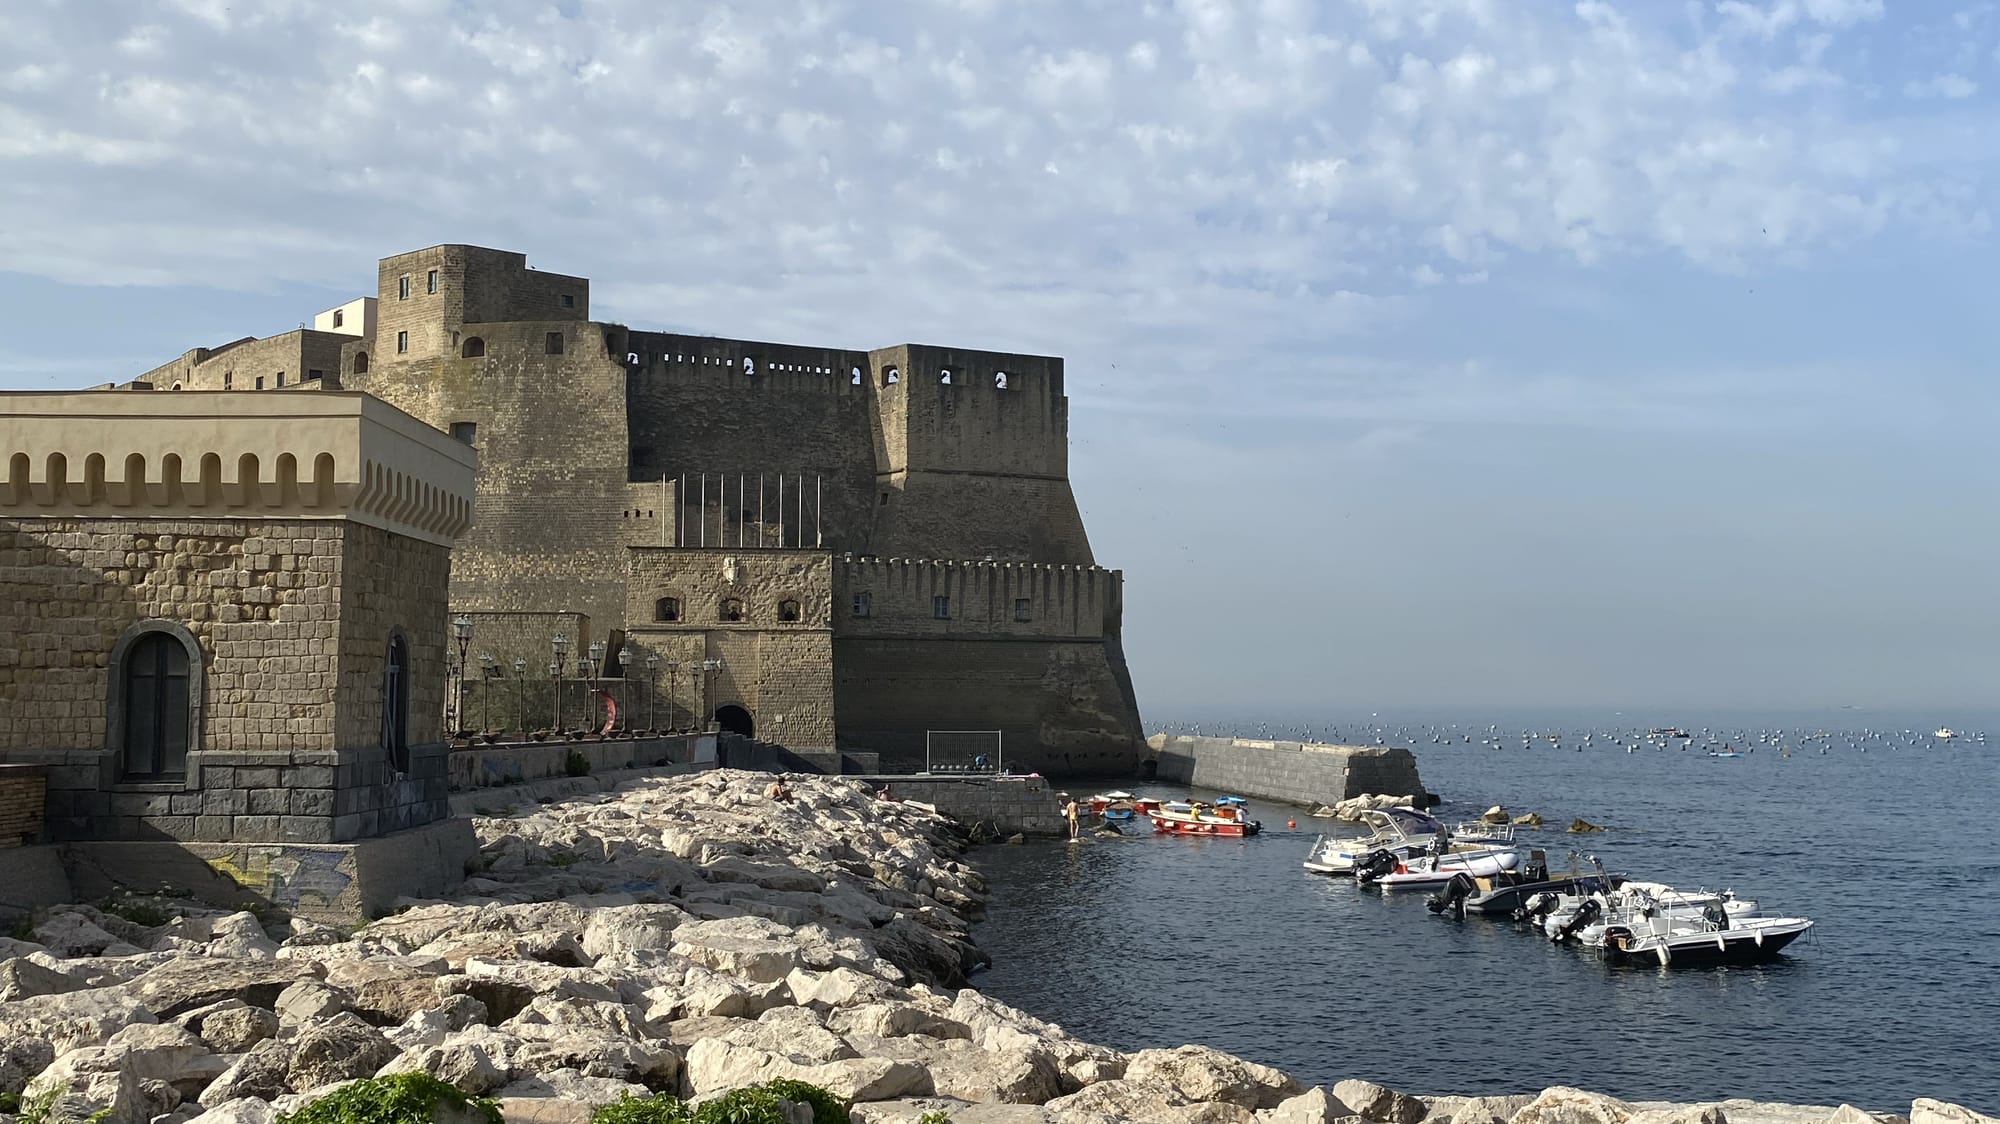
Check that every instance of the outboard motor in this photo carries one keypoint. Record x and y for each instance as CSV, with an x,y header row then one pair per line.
x,y
1451,896
1374,865
1537,906
1716,914
1586,913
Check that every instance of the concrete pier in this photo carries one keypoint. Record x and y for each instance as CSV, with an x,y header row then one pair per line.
x,y
1303,773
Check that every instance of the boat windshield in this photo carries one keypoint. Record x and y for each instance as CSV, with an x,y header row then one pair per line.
x,y
1404,822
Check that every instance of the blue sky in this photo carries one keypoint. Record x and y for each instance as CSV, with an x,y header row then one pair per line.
x,y
1421,352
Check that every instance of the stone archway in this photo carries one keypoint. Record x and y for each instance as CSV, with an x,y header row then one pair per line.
x,y
734,719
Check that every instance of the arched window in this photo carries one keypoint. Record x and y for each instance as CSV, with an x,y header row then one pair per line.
x,y
891,376
1000,380
360,362
944,376
396,703
473,348
732,609
788,611
667,609
159,684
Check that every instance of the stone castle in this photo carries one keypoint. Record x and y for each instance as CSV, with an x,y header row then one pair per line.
x,y
871,544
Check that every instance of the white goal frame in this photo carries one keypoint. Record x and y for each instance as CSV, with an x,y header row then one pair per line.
x,y
999,747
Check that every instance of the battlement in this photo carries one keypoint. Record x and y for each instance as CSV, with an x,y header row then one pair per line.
x,y
928,597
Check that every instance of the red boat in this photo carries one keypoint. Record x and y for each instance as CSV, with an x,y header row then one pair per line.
x,y
1181,817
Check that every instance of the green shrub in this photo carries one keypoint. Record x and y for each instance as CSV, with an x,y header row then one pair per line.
x,y
826,1107
406,1098
142,914
934,1116
576,764
755,1105
41,1108
656,1109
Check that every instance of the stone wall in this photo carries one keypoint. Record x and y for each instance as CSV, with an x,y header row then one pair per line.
x,y
292,619
1063,707
1008,804
1303,773
985,599
549,522
23,791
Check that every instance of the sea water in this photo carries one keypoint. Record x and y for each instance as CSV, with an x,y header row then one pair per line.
x,y
1889,841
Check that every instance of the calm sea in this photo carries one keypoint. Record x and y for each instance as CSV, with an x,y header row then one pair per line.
x,y
1888,840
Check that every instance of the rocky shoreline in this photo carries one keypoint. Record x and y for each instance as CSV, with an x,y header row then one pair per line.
x,y
690,934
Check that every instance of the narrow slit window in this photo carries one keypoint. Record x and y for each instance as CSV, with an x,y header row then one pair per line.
x,y
864,604
554,343
1022,613
941,607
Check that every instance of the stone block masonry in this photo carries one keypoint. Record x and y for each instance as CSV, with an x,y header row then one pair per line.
x,y
1303,773
22,793
1010,804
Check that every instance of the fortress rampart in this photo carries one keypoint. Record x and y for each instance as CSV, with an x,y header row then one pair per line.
x,y
618,468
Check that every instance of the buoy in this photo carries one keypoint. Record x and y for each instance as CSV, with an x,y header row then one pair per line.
x,y
1291,823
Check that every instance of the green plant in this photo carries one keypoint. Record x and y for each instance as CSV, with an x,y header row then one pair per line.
x,y
142,914
659,1108
10,1102
406,1098
826,1107
576,764
934,1116
41,1108
755,1105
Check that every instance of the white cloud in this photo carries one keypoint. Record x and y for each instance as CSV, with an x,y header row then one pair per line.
x,y
1951,87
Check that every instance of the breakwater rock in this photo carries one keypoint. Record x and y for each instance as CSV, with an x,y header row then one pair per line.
x,y
693,935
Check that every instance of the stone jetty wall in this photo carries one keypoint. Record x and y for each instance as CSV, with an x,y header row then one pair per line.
x,y
1009,805
23,791
511,763
1302,773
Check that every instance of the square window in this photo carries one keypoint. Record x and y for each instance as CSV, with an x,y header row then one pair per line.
x,y
260,382
339,317
788,611
863,604
941,607
569,300
402,342
315,374
465,431
554,343
431,282
403,288
1021,612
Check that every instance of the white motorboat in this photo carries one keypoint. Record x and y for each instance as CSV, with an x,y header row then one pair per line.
x,y
1944,733
1675,942
1585,919
1428,872
1404,833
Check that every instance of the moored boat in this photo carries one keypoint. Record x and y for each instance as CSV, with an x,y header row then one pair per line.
x,y
1185,817
1405,833
1428,872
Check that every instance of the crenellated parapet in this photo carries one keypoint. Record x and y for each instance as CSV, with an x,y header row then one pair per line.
x,y
330,455
926,597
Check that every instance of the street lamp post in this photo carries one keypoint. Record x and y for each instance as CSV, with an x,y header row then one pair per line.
x,y
487,666
561,646
462,628
708,668
521,696
652,691
624,690
673,695
592,665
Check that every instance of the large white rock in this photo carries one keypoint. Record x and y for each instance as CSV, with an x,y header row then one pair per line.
x,y
340,1049
73,1020
1475,1110
1314,1106
1203,1073
714,1066
464,1064
165,1052
387,990
243,1110
93,1079
21,978
1561,1104
631,928
1924,1110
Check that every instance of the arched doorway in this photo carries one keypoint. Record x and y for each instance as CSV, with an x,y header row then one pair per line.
x,y
734,720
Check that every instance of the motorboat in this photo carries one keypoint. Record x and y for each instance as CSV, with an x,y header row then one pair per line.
x,y
1428,872
1711,940
1114,807
1506,894
1584,919
1944,733
1195,817
1403,832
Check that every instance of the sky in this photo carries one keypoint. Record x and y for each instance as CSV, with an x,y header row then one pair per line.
x,y
1420,352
